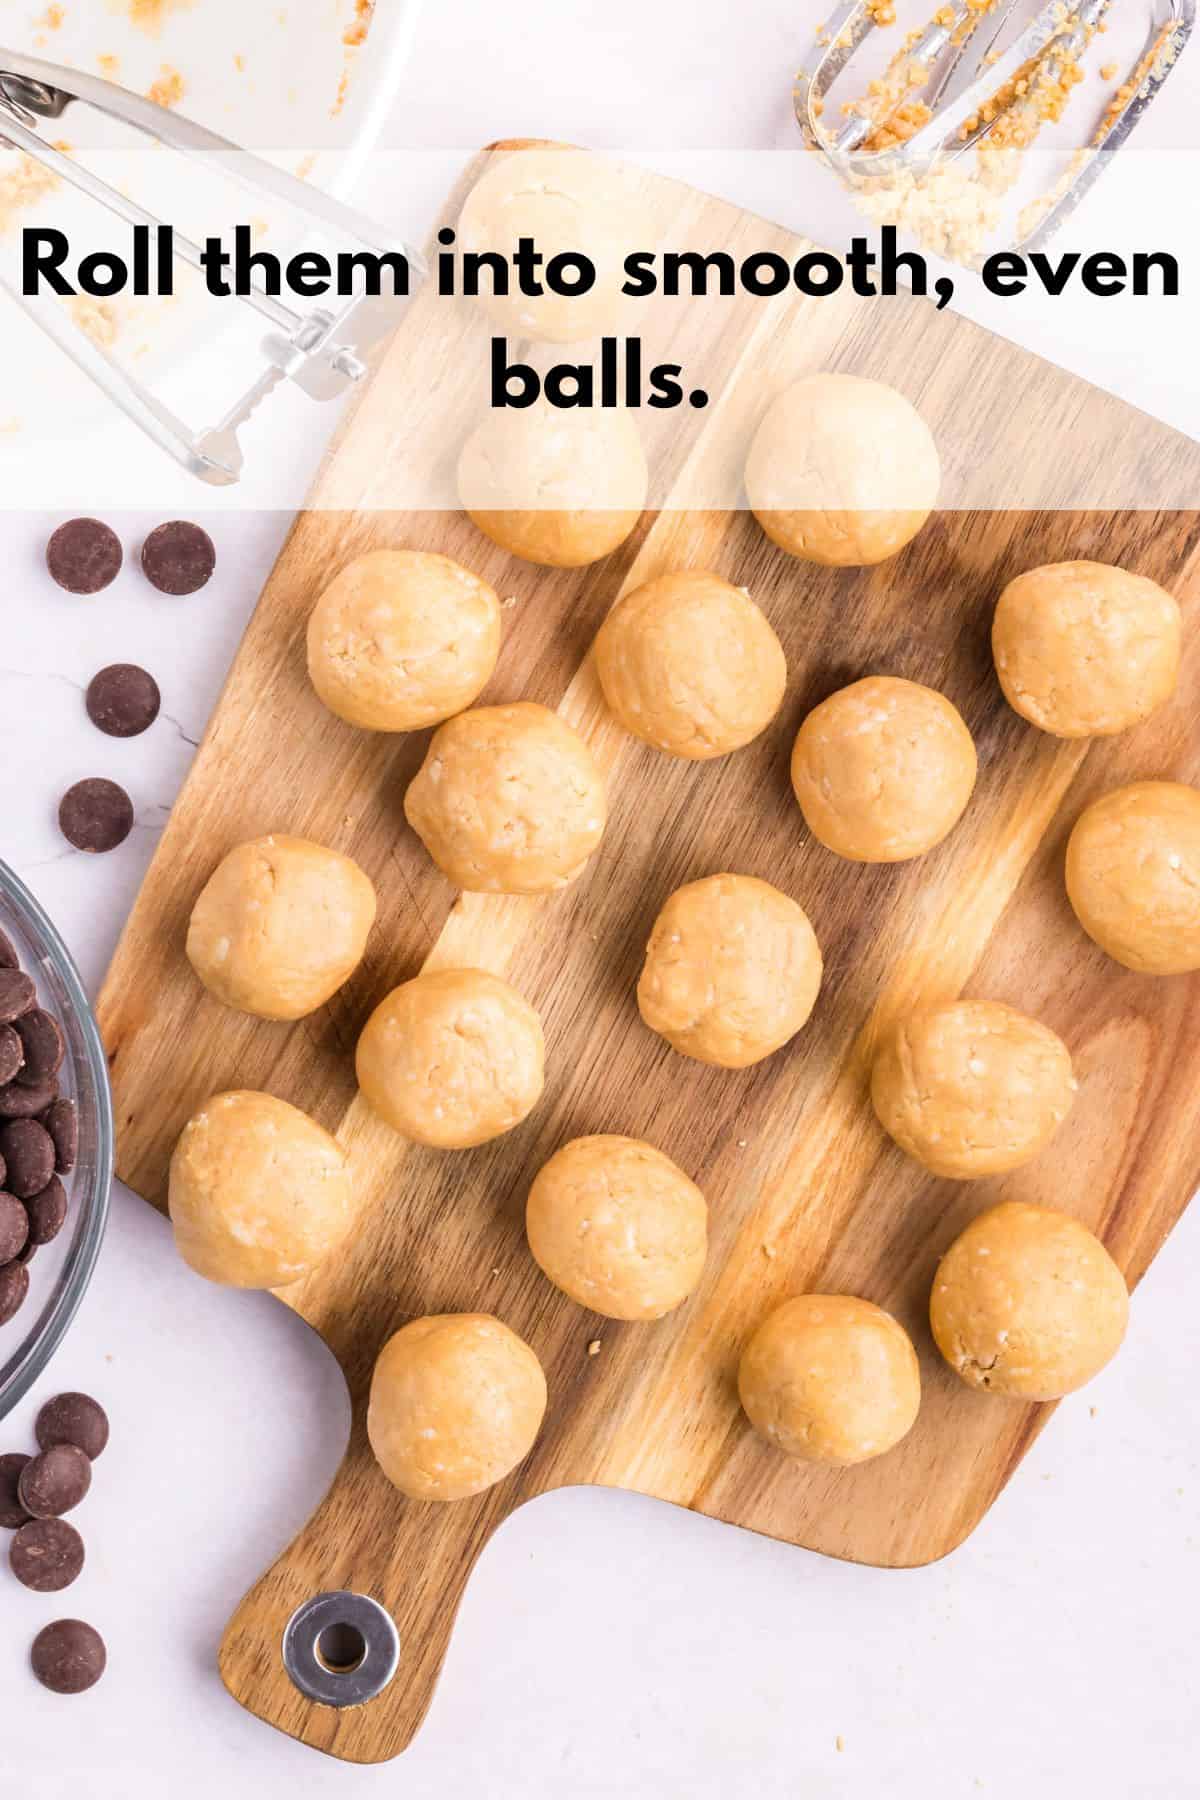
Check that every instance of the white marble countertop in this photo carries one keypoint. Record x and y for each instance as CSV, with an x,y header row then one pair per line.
x,y
607,1645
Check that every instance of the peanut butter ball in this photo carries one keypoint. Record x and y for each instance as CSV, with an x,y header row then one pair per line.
x,y
1028,1302
883,770
689,664
830,1379
400,640
259,1193
842,471
280,925
1086,650
618,1226
508,800
452,1059
972,1087
732,970
1133,876
558,487
457,1401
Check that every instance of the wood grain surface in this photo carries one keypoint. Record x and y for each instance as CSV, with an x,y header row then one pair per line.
x,y
805,1191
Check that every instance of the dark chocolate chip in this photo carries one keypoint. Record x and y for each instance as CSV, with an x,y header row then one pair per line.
x,y
8,956
73,1419
28,1253
68,1657
17,995
123,700
14,1228
54,1482
84,556
14,1290
42,1041
47,1212
62,1122
95,815
19,1101
28,1151
12,1054
178,557
46,1555
12,1513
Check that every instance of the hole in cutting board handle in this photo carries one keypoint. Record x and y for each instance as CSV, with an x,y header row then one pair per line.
x,y
341,1649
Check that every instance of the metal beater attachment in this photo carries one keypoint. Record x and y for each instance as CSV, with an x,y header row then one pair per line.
x,y
324,350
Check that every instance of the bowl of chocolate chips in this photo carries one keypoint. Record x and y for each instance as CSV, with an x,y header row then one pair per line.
x,y
56,1140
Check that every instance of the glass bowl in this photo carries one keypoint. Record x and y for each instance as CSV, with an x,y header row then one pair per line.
x,y
60,1272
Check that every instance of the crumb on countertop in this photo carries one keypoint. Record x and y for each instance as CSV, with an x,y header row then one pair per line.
x,y
169,89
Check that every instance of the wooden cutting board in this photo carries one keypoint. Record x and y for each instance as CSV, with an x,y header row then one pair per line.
x,y
805,1191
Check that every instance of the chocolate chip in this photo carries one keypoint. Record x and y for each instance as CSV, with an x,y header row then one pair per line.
x,y
17,995
28,1151
8,956
28,1253
68,1657
12,1054
42,1041
46,1555
14,1290
12,1513
62,1122
84,556
178,557
123,700
95,815
54,1482
47,1212
14,1228
19,1101
73,1419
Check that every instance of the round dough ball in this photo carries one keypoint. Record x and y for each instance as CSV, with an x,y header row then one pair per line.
x,y
508,800
972,1087
281,924
1086,650
570,203
401,640
618,1226
732,970
1133,876
827,1378
689,664
883,770
259,1193
1028,1302
842,471
457,1401
452,1059
558,488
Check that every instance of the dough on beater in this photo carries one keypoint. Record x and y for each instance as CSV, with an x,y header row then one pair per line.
x,y
827,1378
732,970
452,1058
281,924
1133,876
258,1193
883,769
842,471
1028,1302
618,1226
457,1401
560,488
689,664
972,1087
401,639
508,800
1086,650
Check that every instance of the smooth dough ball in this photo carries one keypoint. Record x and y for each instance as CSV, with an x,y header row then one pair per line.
x,y
259,1193
842,471
571,204
732,970
1028,1302
883,770
972,1087
827,1378
457,1401
508,800
452,1059
689,664
1085,650
280,926
558,488
1133,876
618,1226
401,640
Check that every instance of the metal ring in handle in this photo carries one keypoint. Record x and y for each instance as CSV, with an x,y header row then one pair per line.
x,y
341,1649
